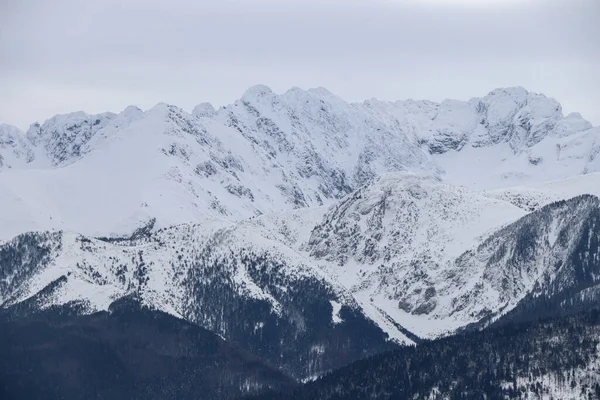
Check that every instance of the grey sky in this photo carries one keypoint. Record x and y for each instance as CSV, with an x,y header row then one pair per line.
x,y
66,55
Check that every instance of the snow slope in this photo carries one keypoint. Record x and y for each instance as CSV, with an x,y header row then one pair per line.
x,y
388,246
534,196
499,166
393,244
405,254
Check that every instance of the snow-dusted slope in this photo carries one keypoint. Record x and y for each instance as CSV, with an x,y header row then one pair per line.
x,y
382,250
230,278
435,257
534,196
392,244
388,246
499,166
546,259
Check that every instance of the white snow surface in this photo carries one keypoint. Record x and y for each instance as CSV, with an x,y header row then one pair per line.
x,y
534,196
335,315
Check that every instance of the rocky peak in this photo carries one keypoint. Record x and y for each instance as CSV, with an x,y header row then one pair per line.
x,y
572,123
63,137
257,93
301,148
131,112
14,147
204,110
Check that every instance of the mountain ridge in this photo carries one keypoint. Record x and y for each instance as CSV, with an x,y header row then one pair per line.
x,y
268,152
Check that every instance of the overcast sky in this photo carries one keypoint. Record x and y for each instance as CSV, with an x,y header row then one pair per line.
x,y
59,56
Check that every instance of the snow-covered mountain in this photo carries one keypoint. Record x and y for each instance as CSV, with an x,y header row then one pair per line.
x,y
548,253
15,150
393,243
108,174
230,278
404,255
506,138
552,255
347,227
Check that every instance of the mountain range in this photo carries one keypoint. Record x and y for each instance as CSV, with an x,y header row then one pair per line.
x,y
266,153
301,229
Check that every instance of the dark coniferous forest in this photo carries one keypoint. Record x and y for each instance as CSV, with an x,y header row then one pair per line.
x,y
127,352
549,359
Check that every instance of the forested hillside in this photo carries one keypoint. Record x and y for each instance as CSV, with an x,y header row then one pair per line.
x,y
550,359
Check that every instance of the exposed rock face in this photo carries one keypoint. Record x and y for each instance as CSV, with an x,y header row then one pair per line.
x,y
64,137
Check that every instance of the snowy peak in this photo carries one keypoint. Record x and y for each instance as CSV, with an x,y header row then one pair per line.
x,y
507,138
64,137
131,112
10,130
498,110
512,115
520,118
257,92
325,137
15,151
204,110
572,123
